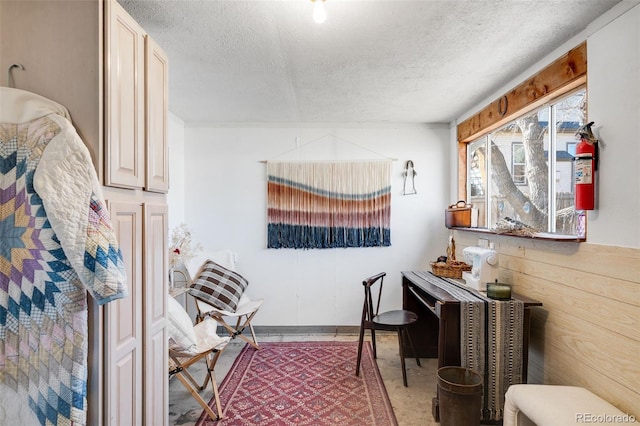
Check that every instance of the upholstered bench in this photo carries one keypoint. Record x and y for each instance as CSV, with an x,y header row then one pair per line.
x,y
550,405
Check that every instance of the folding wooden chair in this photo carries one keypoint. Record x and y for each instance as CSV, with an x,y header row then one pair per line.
x,y
234,322
243,315
189,344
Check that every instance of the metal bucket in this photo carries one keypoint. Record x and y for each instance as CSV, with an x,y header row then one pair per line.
x,y
459,396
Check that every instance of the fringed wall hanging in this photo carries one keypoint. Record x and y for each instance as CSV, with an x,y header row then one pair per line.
x,y
329,204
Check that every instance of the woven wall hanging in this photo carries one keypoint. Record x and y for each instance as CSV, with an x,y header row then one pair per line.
x,y
328,204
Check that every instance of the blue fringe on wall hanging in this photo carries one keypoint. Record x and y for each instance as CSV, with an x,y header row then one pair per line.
x,y
329,204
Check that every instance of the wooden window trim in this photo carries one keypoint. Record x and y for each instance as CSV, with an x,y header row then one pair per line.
x,y
563,75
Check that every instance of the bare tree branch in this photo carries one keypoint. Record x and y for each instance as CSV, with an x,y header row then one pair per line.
x,y
502,178
535,164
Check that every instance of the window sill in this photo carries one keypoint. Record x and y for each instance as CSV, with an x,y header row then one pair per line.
x,y
537,236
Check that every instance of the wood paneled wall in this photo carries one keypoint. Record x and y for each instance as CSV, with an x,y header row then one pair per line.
x,y
588,331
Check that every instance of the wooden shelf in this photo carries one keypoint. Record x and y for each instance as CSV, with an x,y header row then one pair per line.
x,y
538,236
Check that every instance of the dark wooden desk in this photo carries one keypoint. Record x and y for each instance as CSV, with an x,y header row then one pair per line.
x,y
437,332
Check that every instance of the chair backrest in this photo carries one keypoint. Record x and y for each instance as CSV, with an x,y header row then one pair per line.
x,y
180,330
371,300
226,258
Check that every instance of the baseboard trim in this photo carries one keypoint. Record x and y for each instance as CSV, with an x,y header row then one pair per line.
x,y
306,329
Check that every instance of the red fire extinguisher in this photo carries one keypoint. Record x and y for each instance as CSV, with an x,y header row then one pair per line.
x,y
586,164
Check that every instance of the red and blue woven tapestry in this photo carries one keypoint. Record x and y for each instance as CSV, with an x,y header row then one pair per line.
x,y
328,204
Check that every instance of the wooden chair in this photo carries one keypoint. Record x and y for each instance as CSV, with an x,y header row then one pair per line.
x,y
240,318
234,322
372,319
189,344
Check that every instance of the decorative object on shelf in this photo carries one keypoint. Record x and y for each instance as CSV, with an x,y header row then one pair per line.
x,y
460,215
409,176
180,249
328,204
515,227
498,291
449,267
484,266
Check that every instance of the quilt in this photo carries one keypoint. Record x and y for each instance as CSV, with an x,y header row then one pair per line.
x,y
56,245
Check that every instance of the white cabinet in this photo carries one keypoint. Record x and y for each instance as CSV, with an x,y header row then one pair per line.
x,y
155,374
156,117
93,58
123,324
136,357
124,99
135,144
136,148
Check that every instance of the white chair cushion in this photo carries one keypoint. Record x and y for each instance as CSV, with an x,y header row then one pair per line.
x,y
553,405
207,337
182,336
245,306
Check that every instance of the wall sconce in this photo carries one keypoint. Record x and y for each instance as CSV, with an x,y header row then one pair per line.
x,y
319,14
409,177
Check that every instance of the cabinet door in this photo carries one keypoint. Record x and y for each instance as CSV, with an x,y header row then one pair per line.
x,y
124,98
123,324
156,102
156,379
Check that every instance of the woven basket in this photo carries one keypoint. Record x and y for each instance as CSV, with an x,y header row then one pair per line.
x,y
452,269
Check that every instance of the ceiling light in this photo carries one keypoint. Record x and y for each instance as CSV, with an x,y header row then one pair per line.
x,y
319,14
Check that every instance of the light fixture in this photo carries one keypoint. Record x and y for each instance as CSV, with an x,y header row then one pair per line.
x,y
319,14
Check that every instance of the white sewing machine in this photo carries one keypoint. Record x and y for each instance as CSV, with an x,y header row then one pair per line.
x,y
484,262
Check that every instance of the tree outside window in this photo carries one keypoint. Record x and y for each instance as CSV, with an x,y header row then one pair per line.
x,y
515,172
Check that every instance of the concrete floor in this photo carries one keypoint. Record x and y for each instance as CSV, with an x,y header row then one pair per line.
x,y
412,405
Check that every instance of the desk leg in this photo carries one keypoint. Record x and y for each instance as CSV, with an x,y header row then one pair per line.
x,y
449,335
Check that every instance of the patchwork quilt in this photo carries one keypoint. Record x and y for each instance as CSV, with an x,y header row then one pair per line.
x,y
56,244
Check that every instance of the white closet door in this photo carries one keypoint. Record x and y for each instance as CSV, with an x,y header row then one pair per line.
x,y
123,324
156,116
156,362
124,99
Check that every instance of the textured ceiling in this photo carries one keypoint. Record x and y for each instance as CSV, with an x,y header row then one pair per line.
x,y
372,60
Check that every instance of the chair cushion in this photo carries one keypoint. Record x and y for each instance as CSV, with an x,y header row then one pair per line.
x,y
219,286
245,306
182,336
551,405
206,333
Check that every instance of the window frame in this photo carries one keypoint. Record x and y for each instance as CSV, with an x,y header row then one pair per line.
x,y
565,75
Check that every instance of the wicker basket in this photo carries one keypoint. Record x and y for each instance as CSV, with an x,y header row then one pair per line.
x,y
452,269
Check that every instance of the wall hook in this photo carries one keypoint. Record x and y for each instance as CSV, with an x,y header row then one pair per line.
x,y
9,74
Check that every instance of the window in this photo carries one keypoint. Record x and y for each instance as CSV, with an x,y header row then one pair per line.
x,y
512,175
517,163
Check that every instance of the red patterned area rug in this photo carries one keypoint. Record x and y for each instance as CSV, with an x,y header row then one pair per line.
x,y
303,383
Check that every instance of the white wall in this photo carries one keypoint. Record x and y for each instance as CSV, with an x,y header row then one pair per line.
x,y
613,91
613,54
225,197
